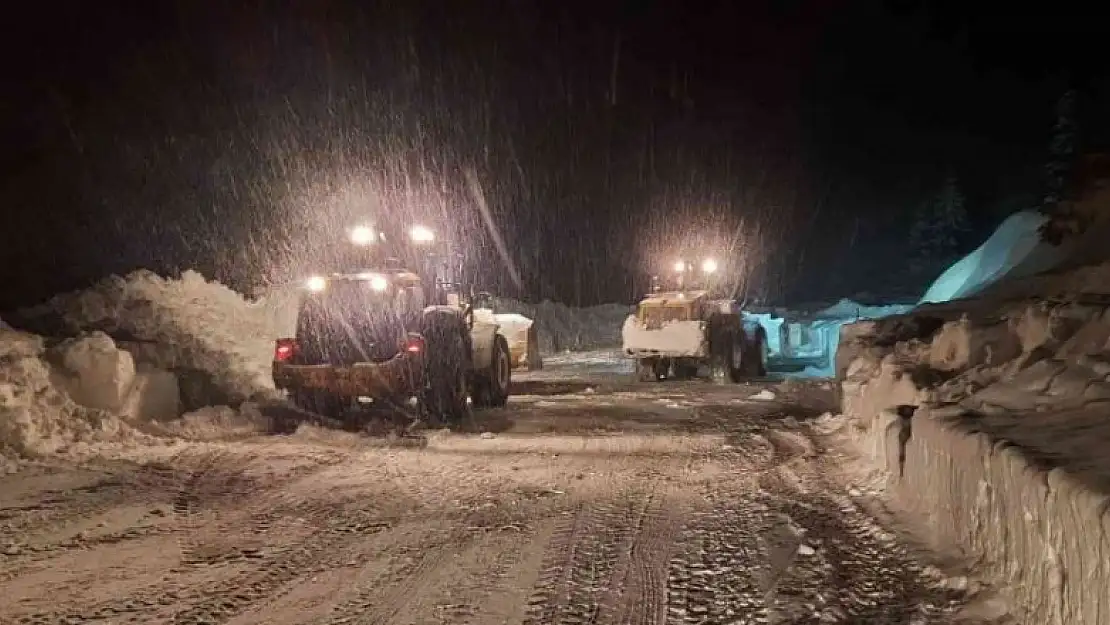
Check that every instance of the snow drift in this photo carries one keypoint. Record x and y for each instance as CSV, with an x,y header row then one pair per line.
x,y
1013,263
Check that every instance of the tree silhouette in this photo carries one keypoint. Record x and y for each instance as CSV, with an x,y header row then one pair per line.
x,y
937,232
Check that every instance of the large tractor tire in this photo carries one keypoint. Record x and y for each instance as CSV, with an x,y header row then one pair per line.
x,y
755,354
724,335
490,388
447,358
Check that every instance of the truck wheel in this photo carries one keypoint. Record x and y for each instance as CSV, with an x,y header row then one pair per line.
x,y
756,356
721,359
491,387
444,399
739,359
535,360
646,370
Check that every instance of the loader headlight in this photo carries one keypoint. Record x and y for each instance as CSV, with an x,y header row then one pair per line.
x,y
709,265
680,266
422,234
316,284
376,281
363,235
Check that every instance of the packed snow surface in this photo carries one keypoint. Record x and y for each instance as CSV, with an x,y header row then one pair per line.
x,y
674,339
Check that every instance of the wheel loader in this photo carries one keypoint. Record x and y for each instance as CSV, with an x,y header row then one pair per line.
x,y
388,336
686,333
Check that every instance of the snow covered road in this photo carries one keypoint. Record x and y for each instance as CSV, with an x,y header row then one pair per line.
x,y
590,499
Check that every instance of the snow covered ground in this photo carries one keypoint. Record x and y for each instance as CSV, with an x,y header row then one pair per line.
x,y
670,503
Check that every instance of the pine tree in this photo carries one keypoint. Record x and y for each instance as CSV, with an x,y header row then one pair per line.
x,y
1061,152
936,235
1063,222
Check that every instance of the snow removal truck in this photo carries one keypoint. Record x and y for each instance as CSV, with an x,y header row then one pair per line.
x,y
686,332
393,336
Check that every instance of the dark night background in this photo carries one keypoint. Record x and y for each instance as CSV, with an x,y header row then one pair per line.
x,y
239,138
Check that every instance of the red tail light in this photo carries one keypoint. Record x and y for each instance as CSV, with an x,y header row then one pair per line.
x,y
414,344
284,349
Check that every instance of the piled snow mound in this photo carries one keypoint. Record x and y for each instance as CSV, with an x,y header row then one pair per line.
x,y
561,327
37,418
191,323
991,425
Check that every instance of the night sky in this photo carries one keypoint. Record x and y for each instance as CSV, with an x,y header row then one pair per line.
x,y
241,138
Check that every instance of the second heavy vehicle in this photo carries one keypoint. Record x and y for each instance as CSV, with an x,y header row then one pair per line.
x,y
687,332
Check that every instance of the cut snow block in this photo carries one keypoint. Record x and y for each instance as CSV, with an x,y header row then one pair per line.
x,y
1076,535
1090,339
97,375
884,441
890,386
961,345
153,395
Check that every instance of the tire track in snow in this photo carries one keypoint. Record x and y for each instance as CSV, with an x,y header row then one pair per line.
x,y
587,559
640,597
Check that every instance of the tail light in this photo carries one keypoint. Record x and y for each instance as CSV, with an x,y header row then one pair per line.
x,y
414,344
285,349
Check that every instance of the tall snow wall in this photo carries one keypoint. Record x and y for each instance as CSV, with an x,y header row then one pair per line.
x,y
990,427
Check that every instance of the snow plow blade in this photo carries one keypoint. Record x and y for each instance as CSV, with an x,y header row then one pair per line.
x,y
401,375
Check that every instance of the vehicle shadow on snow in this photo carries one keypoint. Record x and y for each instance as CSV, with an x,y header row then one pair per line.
x,y
549,387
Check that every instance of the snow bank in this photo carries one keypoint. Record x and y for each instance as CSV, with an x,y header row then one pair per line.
x,y
561,327
36,417
1011,263
991,425
813,337
1016,243
188,326
675,339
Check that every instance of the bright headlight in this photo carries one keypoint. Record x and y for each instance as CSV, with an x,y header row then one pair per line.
x,y
379,283
680,266
316,284
709,265
422,234
363,235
